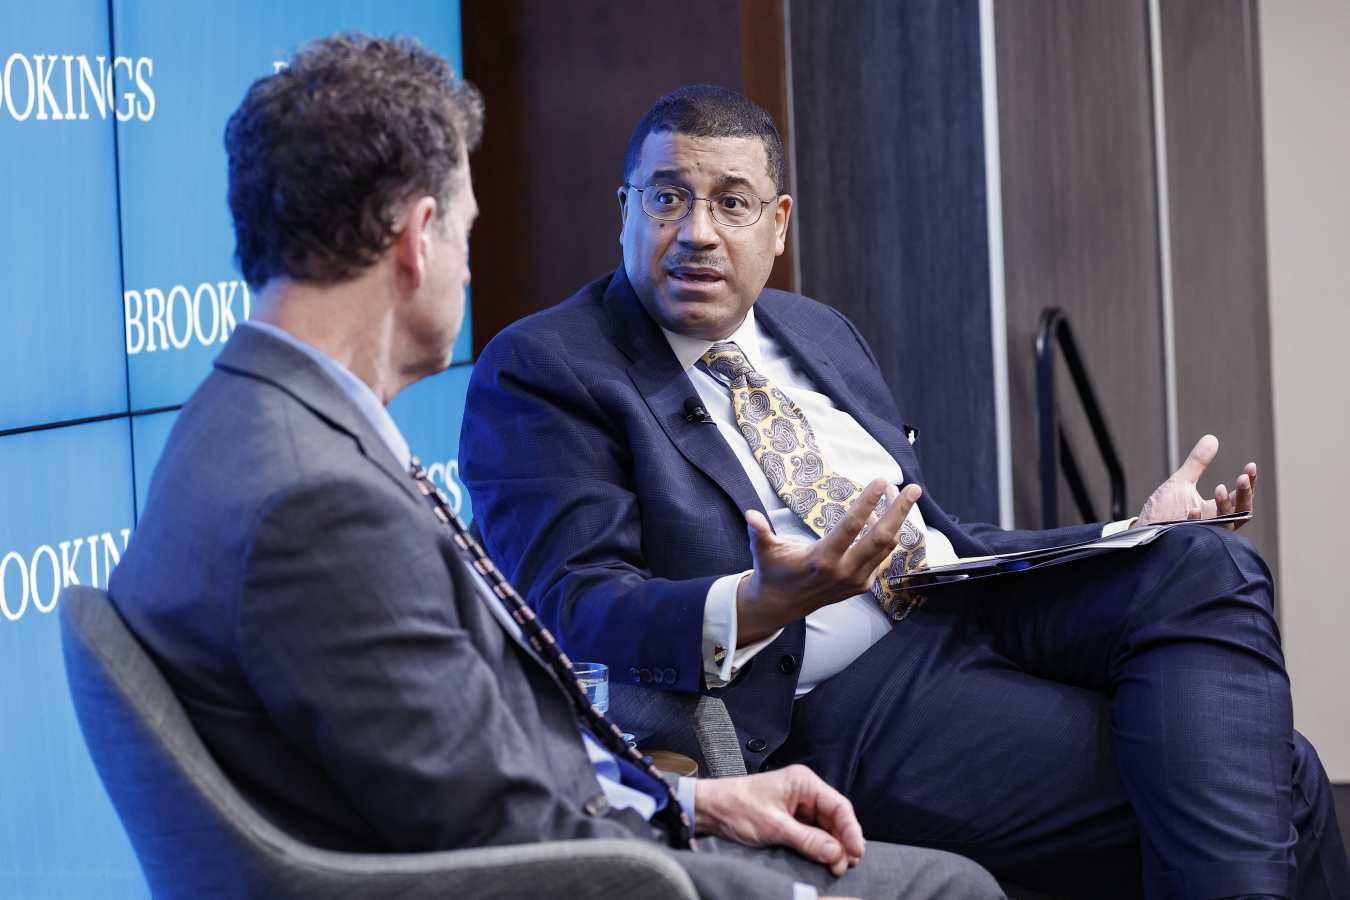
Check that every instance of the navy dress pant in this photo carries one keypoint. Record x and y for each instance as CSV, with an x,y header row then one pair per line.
x,y
1115,726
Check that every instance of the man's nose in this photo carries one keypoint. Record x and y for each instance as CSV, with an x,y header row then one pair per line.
x,y
698,230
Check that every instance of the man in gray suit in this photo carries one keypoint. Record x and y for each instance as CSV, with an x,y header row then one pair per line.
x,y
361,683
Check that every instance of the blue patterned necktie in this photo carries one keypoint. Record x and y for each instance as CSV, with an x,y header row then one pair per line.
x,y
678,829
784,445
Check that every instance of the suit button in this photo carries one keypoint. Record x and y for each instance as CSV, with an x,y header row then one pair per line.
x,y
754,745
658,676
598,806
635,675
646,674
670,676
788,663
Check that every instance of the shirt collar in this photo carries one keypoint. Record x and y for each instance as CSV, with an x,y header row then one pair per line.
x,y
357,390
690,350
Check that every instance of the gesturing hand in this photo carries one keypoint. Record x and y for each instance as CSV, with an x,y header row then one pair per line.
x,y
1179,498
791,807
793,580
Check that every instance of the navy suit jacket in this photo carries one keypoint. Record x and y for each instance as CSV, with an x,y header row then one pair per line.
x,y
613,514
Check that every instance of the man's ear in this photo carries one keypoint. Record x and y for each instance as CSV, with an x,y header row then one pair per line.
x,y
414,240
623,211
781,216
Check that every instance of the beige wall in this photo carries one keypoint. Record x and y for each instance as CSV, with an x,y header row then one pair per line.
x,y
1305,74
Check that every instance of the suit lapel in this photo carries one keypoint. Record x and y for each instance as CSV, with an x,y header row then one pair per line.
x,y
808,354
256,354
664,386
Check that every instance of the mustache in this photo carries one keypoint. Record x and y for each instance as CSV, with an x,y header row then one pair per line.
x,y
703,260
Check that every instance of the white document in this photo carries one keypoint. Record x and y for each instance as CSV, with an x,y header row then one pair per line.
x,y
1008,563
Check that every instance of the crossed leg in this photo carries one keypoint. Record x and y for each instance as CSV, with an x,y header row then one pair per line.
x,y
1097,720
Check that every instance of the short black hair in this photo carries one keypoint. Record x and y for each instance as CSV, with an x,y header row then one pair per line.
x,y
704,110
324,154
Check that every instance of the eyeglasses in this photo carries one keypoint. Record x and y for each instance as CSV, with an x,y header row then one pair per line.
x,y
670,204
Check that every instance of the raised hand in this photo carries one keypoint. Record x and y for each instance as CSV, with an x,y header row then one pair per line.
x,y
789,807
1179,496
793,580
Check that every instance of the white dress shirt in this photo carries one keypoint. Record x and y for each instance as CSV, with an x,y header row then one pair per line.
x,y
837,634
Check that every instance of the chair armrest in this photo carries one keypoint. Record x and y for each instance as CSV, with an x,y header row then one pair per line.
x,y
561,870
693,724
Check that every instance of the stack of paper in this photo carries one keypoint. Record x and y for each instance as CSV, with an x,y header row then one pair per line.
x,y
1006,563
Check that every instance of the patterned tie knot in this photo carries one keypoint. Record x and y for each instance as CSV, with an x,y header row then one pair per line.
x,y
727,359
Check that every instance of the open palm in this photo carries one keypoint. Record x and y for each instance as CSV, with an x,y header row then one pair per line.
x,y
1179,496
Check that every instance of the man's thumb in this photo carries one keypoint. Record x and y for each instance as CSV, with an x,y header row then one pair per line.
x,y
759,527
1202,454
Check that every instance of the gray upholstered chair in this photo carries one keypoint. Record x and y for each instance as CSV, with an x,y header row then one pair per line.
x,y
197,837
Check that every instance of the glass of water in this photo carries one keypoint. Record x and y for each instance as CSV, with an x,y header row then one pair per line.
x,y
594,677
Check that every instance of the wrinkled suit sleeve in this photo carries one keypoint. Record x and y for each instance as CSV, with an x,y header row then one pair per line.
x,y
349,630
551,476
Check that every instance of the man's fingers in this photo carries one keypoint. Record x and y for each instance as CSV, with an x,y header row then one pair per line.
x,y
847,528
1244,493
760,530
834,813
887,532
872,551
888,498
817,801
868,553
1202,454
813,843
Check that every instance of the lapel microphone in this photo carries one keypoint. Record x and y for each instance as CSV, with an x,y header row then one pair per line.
x,y
694,411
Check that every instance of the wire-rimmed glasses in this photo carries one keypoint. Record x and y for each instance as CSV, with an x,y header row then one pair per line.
x,y
670,203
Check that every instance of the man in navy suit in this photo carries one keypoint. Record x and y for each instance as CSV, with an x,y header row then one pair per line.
x,y
358,680
1125,719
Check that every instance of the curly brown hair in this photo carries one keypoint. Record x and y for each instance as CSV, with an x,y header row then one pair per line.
x,y
324,154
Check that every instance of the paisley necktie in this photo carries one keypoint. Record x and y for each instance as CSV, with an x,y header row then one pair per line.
x,y
784,445
678,830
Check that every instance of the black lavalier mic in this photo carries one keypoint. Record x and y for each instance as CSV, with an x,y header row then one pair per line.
x,y
694,411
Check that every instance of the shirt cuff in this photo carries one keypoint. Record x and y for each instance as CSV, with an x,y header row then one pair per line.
x,y
804,892
685,794
721,658
1111,528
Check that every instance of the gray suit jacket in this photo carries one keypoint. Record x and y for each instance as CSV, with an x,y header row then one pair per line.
x,y
328,642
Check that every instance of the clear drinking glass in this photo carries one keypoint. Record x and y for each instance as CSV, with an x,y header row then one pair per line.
x,y
594,677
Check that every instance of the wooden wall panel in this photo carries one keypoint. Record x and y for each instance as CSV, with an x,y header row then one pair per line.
x,y
764,79
565,84
1080,231
1213,104
893,228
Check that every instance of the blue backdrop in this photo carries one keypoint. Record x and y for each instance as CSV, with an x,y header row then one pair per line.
x,y
119,290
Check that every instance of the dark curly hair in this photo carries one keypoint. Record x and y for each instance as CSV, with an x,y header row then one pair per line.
x,y
703,110
325,153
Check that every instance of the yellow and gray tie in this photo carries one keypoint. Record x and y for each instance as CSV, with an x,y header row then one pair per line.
x,y
784,445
